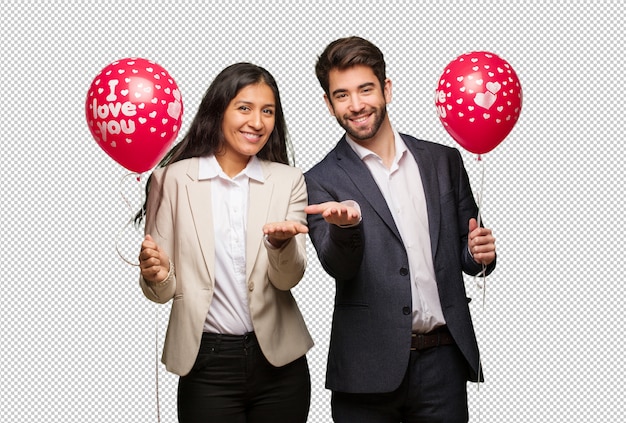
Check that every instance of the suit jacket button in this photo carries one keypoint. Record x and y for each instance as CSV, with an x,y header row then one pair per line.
x,y
404,271
406,310
251,286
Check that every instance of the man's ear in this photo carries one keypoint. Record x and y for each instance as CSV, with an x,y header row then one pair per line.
x,y
331,109
387,91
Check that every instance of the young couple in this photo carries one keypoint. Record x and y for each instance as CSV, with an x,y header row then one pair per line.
x,y
392,219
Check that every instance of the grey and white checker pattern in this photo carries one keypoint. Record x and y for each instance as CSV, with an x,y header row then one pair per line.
x,y
78,337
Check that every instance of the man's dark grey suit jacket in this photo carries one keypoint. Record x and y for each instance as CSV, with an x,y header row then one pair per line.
x,y
371,329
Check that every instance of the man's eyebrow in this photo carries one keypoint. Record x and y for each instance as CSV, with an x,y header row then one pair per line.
x,y
360,87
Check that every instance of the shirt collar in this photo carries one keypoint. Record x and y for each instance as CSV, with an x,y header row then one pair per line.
x,y
364,152
209,168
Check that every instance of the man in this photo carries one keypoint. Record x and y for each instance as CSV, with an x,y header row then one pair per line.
x,y
392,219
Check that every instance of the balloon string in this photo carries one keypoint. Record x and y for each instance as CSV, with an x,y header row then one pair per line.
x,y
117,248
483,274
131,220
156,320
156,362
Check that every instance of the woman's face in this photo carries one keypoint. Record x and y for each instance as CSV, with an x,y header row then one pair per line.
x,y
247,124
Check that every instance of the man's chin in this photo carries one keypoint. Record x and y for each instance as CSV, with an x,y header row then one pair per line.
x,y
360,135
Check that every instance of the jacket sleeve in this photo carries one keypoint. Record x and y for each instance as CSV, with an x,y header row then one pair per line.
x,y
159,225
288,263
340,250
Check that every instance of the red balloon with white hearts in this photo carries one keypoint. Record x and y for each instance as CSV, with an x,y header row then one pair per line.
x,y
478,100
134,112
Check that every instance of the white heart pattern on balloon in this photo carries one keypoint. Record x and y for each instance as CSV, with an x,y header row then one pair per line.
x,y
480,79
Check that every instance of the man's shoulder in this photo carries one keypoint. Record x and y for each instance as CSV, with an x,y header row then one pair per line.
x,y
412,141
326,164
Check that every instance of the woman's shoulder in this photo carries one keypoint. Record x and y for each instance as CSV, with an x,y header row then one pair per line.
x,y
177,169
281,170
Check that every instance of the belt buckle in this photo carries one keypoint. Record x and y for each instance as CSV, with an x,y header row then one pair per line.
x,y
420,341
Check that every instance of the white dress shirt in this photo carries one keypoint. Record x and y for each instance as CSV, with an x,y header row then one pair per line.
x,y
229,312
401,185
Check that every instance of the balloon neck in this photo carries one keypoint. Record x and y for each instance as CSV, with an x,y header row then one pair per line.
x,y
479,157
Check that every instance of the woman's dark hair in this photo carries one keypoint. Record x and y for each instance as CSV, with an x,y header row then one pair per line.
x,y
205,136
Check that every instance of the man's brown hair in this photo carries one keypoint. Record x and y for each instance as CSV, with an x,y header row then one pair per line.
x,y
345,53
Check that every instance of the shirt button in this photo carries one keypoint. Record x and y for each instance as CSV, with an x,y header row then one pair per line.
x,y
406,310
404,271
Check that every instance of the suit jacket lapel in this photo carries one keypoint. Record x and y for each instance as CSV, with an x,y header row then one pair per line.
x,y
199,197
259,203
430,181
363,180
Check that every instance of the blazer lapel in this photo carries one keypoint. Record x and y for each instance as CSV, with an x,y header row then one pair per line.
x,y
259,203
430,181
363,180
199,197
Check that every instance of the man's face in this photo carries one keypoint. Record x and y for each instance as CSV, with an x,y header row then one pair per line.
x,y
357,101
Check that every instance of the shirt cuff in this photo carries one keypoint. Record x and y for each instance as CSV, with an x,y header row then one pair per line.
x,y
168,278
268,244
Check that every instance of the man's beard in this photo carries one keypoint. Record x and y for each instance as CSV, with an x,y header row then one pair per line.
x,y
379,114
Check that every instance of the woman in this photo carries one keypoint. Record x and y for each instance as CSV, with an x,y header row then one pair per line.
x,y
225,239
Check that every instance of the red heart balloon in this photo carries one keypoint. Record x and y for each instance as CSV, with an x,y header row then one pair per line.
x,y
134,112
479,100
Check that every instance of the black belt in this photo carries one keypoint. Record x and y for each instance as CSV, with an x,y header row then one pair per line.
x,y
219,341
435,338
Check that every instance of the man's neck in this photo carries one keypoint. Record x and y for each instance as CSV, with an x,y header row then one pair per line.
x,y
382,144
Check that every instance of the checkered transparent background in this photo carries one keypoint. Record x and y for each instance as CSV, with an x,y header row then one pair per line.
x,y
78,337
